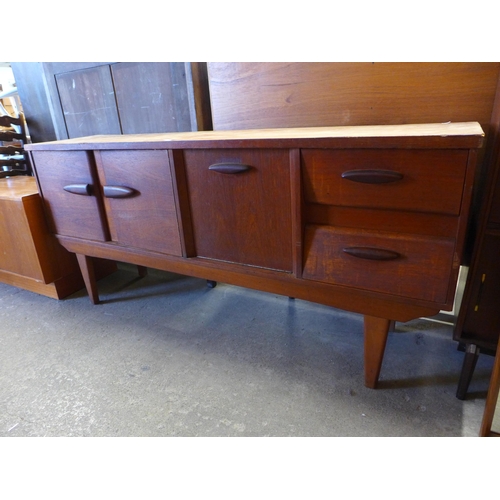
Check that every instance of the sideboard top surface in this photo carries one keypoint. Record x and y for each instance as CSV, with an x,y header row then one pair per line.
x,y
461,135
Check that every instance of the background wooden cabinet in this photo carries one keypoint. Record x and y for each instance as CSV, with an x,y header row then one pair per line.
x,y
66,100
478,323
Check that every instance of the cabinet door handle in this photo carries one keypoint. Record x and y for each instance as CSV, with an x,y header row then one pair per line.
x,y
371,253
229,168
372,176
83,189
118,191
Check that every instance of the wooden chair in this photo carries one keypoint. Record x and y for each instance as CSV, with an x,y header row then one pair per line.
x,y
13,137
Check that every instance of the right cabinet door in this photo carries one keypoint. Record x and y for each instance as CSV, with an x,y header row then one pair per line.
x,y
139,198
241,206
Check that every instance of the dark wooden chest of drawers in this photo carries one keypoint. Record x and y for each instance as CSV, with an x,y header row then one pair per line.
x,y
368,219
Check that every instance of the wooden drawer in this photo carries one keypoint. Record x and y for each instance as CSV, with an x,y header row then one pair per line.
x,y
408,266
413,180
243,216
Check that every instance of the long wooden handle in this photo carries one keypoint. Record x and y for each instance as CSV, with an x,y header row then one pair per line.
x,y
118,191
229,168
81,189
371,253
372,176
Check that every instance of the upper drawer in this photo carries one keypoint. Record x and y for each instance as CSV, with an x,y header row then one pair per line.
x,y
415,180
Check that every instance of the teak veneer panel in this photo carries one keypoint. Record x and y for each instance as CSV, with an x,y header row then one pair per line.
x,y
242,218
432,180
146,221
421,271
80,216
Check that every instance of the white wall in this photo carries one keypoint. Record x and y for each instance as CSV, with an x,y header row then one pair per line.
x,y
6,77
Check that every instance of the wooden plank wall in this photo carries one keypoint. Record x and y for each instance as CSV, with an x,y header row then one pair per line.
x,y
260,95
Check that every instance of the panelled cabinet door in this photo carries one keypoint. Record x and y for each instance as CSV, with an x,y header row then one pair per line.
x,y
88,102
241,205
139,199
482,320
70,193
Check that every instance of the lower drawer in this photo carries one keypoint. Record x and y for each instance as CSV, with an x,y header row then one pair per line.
x,y
409,266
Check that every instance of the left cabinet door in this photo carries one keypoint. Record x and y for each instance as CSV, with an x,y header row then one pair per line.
x,y
68,183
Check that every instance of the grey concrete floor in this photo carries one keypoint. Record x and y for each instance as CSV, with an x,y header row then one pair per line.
x,y
166,356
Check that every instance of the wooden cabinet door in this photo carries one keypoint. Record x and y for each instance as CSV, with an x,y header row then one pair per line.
x,y
64,100
139,199
88,102
152,97
70,193
241,206
482,311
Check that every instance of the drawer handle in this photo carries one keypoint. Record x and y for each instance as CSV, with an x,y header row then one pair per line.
x,y
372,176
229,168
371,253
118,191
82,189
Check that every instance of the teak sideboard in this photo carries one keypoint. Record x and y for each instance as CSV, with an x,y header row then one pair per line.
x,y
369,219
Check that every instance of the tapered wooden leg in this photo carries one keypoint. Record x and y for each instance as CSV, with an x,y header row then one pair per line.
x,y
376,332
87,268
470,360
143,271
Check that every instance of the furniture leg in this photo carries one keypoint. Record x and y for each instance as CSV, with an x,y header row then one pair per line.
x,y
87,268
211,284
468,366
376,331
143,271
